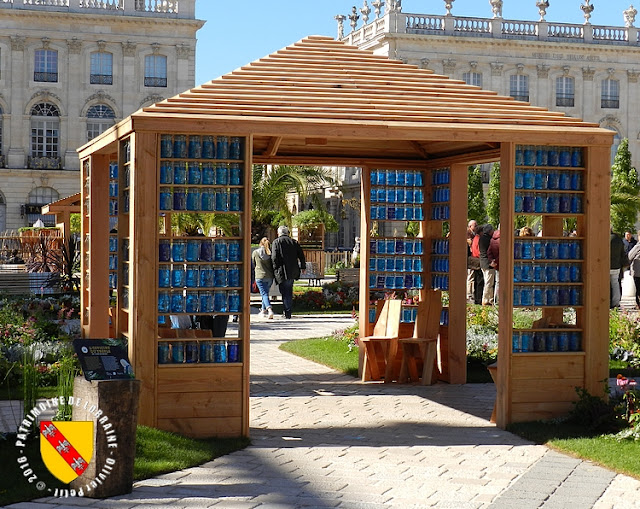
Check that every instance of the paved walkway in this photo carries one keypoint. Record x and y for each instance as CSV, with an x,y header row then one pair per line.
x,y
322,439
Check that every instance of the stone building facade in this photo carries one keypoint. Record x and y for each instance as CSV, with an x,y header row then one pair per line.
x,y
68,71
586,71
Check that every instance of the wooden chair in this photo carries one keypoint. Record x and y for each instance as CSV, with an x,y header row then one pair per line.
x,y
383,344
421,348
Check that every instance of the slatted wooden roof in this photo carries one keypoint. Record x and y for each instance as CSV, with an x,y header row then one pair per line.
x,y
323,101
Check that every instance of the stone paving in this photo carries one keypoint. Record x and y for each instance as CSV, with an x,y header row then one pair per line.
x,y
321,439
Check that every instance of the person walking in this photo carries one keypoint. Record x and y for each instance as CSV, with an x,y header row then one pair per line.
x,y
634,268
264,275
488,272
473,264
629,241
288,260
493,253
619,260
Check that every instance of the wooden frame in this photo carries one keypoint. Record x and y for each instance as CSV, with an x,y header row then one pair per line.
x,y
321,102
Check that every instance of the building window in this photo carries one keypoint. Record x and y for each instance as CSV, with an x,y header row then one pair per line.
x,y
45,125
610,97
565,91
99,119
39,197
519,87
46,66
472,78
101,68
155,71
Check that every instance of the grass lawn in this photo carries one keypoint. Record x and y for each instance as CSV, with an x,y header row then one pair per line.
x,y
157,452
327,351
623,457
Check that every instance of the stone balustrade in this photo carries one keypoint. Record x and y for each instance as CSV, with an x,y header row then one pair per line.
x,y
184,9
427,24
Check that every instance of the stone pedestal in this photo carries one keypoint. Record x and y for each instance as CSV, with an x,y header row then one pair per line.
x,y
112,405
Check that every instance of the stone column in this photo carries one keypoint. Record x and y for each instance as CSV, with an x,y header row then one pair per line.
x,y
184,72
75,134
16,155
543,98
589,94
129,76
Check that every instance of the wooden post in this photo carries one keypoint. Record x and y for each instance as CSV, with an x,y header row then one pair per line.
x,y
595,341
505,292
143,229
458,275
365,253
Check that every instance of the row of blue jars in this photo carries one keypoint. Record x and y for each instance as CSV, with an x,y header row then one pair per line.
x,y
178,352
547,250
409,314
440,246
530,155
194,276
549,203
397,213
440,281
440,195
547,273
194,250
440,264
440,212
549,179
440,177
547,296
396,195
182,146
195,173
396,246
409,178
546,341
200,199
395,281
395,264
193,301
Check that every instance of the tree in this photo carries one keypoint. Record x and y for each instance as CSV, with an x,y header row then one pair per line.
x,y
272,185
493,196
625,188
476,208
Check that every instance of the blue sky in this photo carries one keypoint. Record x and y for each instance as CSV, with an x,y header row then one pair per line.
x,y
240,31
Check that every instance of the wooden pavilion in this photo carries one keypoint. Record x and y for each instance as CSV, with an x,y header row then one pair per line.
x,y
413,133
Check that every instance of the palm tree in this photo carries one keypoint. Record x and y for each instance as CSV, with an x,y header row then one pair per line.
x,y
272,185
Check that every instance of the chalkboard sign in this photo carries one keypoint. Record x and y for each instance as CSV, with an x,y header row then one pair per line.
x,y
103,359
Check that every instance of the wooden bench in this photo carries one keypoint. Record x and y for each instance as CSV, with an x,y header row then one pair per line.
x,y
312,273
350,276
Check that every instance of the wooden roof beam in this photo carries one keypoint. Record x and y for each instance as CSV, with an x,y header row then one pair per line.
x,y
420,149
273,146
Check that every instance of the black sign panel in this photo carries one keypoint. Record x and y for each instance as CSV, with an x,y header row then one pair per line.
x,y
103,359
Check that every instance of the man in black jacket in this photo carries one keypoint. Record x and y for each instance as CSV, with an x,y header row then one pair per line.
x,y
619,260
288,259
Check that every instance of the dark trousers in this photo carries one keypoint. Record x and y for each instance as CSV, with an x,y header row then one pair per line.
x,y
286,289
636,280
478,286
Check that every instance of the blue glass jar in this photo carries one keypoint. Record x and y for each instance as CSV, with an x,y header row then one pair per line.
x,y
564,181
525,341
206,277
517,272
194,199
576,181
401,177
164,353
529,156
166,145
221,200
178,250
526,273
564,296
235,174
206,351
179,198
206,302
519,181
411,178
541,156
552,273
539,180
222,147
574,273
234,276
526,296
166,172
553,297
563,342
553,156
516,296
391,177
164,251
539,203
539,296
164,276
208,174
234,200
177,352
565,203
177,303
222,174
166,198
194,174
565,156
517,250
575,205
207,199
576,157
575,296
195,147
527,251
563,273
563,250
373,177
220,302
233,351
519,202
519,155
551,343
553,180
180,146
208,148
219,351
575,341
553,203
163,302
179,173
390,265
220,277
192,276
192,303
539,274
178,276
528,181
